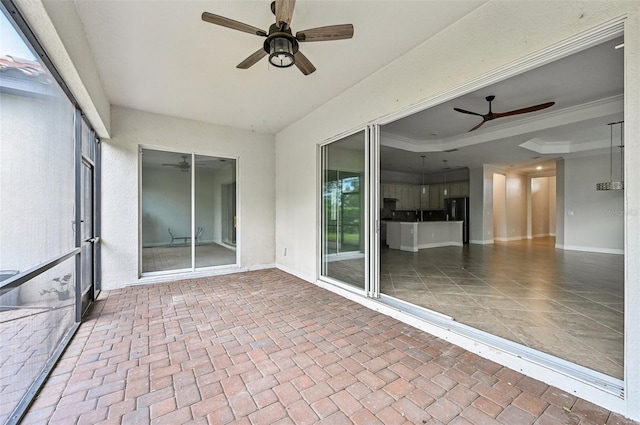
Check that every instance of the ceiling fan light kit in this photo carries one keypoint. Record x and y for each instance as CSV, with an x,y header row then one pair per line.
x,y
281,45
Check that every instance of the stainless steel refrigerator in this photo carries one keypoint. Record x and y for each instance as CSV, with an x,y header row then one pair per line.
x,y
457,209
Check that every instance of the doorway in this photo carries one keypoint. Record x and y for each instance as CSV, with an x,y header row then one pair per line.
x,y
530,270
188,212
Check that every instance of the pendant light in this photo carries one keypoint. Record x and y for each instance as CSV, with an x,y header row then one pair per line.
x,y
444,167
614,185
424,188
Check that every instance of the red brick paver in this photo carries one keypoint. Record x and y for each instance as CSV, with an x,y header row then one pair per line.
x,y
267,348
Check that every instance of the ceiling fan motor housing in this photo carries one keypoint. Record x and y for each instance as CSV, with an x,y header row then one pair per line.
x,y
280,45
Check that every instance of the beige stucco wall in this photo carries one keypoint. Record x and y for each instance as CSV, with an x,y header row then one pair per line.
x,y
120,197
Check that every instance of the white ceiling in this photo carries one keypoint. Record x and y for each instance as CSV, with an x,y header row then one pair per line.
x,y
587,89
159,56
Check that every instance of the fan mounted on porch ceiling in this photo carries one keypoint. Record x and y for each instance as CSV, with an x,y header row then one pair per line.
x,y
493,115
181,165
280,44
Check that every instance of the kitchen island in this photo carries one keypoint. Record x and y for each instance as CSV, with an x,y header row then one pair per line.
x,y
412,236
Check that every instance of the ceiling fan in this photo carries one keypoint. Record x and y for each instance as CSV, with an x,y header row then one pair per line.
x,y
493,115
182,165
280,44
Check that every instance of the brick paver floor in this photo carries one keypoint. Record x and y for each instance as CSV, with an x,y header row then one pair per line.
x,y
266,348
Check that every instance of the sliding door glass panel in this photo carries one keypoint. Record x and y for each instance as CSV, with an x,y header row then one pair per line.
x,y
215,211
166,211
343,210
177,187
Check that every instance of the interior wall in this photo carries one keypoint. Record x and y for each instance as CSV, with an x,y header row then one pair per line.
x,y
540,207
516,190
120,196
166,203
559,204
594,220
213,182
166,200
552,205
476,205
509,206
499,206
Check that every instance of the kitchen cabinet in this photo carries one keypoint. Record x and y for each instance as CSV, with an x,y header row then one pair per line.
x,y
453,190
410,196
436,196
458,189
414,196
405,196
424,197
464,188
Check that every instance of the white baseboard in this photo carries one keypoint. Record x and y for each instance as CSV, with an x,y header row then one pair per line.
x,y
482,242
439,244
615,251
408,248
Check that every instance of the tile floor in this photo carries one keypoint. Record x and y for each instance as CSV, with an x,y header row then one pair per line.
x,y
267,348
565,303
163,258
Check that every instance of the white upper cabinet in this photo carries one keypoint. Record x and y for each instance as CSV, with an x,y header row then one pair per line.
x,y
410,196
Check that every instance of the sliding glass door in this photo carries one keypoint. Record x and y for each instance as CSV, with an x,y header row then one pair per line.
x,y
345,234
188,213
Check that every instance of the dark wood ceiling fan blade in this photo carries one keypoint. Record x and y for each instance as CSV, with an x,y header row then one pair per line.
x,y
230,23
303,64
464,111
478,126
253,59
523,110
331,32
284,11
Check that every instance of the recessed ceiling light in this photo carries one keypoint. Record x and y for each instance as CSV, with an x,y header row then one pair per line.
x,y
539,167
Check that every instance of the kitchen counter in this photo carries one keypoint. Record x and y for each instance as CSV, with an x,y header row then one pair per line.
x,y
412,236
